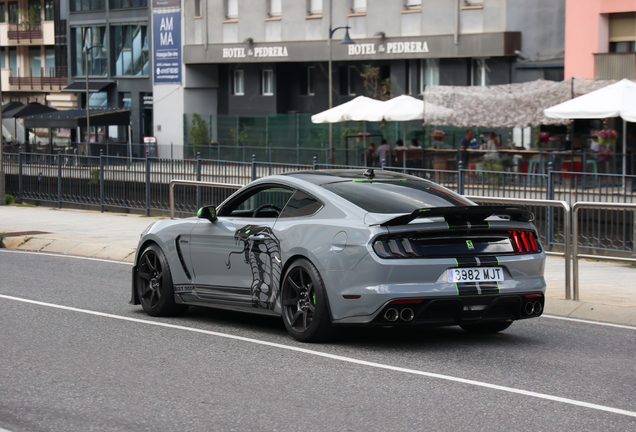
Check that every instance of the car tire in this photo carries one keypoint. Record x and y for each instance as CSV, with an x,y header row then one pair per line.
x,y
154,284
304,303
485,328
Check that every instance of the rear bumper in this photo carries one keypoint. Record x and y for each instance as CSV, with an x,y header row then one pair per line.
x,y
456,310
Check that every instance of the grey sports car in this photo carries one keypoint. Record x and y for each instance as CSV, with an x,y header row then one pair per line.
x,y
330,248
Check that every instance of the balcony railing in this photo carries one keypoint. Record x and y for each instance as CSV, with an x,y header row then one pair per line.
x,y
87,5
57,77
23,32
125,4
615,66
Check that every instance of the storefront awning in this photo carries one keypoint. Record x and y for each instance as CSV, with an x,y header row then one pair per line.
x,y
77,118
93,86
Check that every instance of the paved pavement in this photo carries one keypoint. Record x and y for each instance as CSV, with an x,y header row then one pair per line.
x,y
607,289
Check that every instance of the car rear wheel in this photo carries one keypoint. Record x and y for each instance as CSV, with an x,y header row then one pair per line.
x,y
304,303
154,284
485,328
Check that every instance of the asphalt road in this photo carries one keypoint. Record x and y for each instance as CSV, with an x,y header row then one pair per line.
x,y
77,357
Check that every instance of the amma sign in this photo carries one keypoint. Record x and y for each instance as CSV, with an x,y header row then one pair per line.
x,y
167,48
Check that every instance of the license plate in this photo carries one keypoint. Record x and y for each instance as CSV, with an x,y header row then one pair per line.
x,y
481,274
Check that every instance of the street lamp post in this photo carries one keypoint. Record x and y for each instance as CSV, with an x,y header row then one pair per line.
x,y
345,41
2,188
99,56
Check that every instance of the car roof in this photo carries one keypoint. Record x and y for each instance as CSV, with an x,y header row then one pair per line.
x,y
321,177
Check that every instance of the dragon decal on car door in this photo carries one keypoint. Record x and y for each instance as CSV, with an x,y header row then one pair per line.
x,y
262,253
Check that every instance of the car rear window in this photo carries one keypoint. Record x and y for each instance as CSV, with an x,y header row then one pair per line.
x,y
395,196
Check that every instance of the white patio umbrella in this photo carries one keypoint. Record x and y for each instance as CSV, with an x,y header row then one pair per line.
x,y
361,108
615,100
407,108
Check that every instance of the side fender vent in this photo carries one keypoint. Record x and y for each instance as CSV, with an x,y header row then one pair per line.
x,y
181,260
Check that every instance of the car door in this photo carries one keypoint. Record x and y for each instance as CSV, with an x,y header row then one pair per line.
x,y
232,257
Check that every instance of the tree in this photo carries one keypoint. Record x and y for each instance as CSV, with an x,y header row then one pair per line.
x,y
199,132
375,87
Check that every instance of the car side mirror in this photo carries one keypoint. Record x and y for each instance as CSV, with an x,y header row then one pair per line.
x,y
207,212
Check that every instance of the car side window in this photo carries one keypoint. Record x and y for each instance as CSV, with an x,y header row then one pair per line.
x,y
301,204
266,202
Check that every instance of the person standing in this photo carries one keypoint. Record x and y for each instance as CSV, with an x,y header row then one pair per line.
x,y
464,145
371,156
384,152
493,146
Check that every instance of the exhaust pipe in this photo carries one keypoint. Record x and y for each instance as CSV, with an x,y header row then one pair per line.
x,y
529,308
391,315
407,314
537,308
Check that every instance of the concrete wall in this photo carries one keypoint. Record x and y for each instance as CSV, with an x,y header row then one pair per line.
x,y
542,23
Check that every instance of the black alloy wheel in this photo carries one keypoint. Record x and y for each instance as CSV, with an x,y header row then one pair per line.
x,y
154,284
304,303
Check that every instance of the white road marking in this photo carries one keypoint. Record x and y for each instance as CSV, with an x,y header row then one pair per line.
x,y
590,322
337,357
3,430
64,256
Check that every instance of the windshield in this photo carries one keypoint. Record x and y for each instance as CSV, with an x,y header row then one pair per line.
x,y
396,195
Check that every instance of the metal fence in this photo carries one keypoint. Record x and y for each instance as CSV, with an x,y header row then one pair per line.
x,y
143,184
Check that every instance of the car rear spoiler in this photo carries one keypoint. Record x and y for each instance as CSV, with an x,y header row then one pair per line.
x,y
459,216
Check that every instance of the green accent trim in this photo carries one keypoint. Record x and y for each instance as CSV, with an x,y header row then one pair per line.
x,y
497,260
314,298
447,225
457,288
424,210
488,224
247,232
498,287
469,243
379,180
200,211
456,262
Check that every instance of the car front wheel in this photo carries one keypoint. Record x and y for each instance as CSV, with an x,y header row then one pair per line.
x,y
154,284
304,303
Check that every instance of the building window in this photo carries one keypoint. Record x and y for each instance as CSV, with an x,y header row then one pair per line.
x,y
348,80
35,61
622,32
197,8
479,73
125,4
307,81
275,8
474,3
314,7
49,61
84,38
49,10
130,50
87,5
412,4
268,83
359,6
238,88
98,99
13,12
429,73
13,61
231,9
2,12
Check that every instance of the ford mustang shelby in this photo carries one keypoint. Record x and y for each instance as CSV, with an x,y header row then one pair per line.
x,y
347,247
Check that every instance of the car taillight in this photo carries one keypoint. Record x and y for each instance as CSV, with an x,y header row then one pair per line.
x,y
523,241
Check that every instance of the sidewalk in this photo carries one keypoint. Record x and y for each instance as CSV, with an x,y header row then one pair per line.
x,y
607,289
